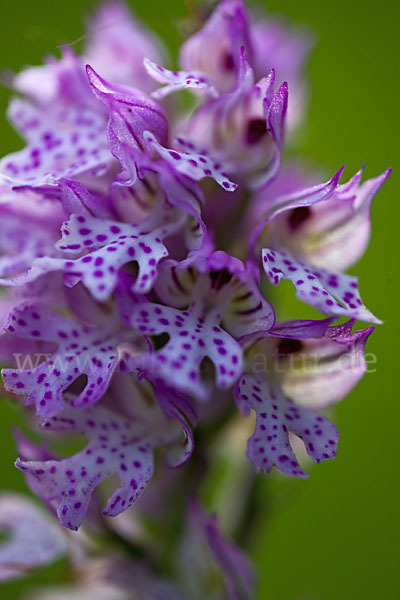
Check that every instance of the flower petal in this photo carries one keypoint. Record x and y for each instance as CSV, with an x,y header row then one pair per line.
x,y
317,286
20,244
117,446
337,232
76,199
327,225
119,243
195,162
285,48
276,415
131,114
58,82
194,334
248,313
177,406
281,204
301,329
245,128
110,245
60,143
324,370
81,350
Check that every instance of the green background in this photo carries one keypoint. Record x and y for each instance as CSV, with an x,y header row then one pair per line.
x,y
335,535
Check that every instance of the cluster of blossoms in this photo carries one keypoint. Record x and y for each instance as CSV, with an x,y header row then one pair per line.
x,y
141,230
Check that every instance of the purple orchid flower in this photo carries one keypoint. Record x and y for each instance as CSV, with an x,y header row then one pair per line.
x,y
327,225
245,127
286,380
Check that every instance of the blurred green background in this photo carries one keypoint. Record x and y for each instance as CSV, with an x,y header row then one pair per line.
x,y
335,535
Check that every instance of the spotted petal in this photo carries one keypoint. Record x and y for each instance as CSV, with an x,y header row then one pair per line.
x,y
177,80
81,350
33,539
194,334
110,245
117,446
318,287
195,162
119,244
276,415
60,143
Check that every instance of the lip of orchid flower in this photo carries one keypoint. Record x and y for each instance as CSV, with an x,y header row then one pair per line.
x,y
306,366
120,441
194,335
105,245
117,445
81,350
62,143
224,290
318,287
276,416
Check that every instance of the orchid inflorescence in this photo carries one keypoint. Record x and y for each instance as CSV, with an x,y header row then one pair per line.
x,y
140,235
